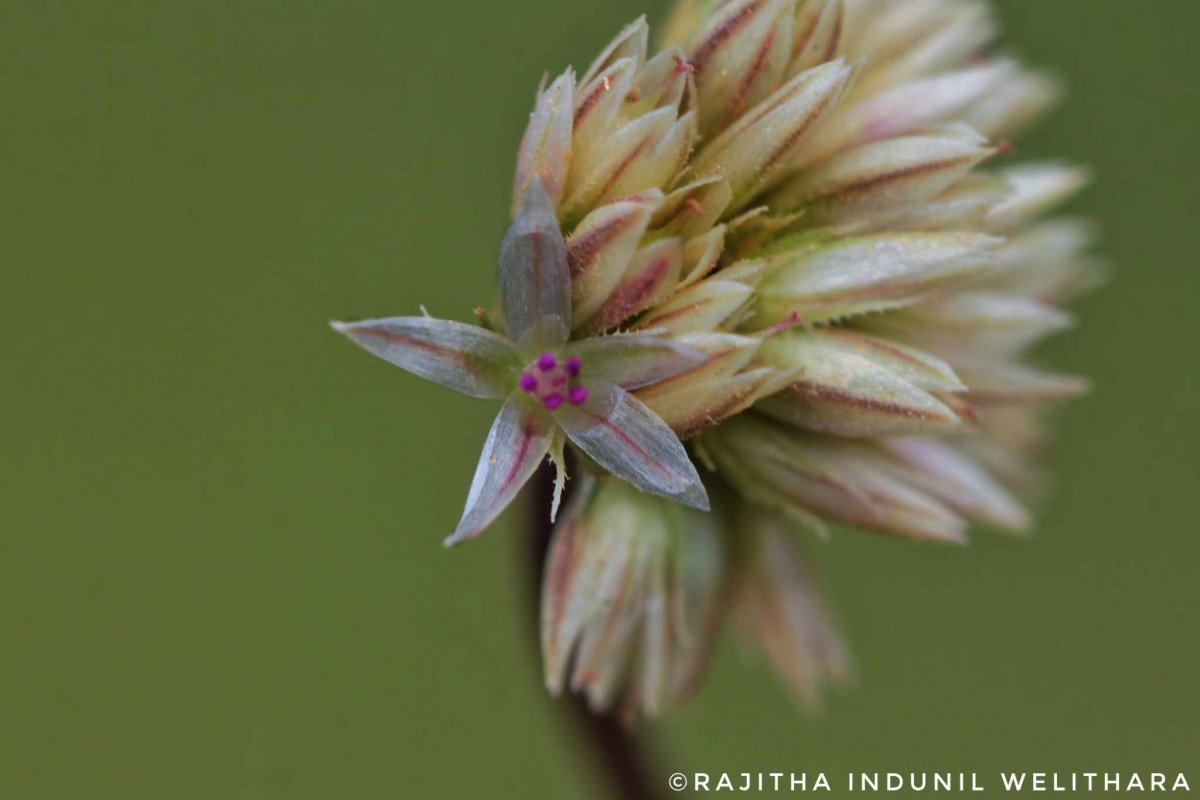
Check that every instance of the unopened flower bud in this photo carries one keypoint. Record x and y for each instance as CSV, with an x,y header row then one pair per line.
x,y
827,280
601,248
545,152
872,183
855,385
629,599
779,606
808,476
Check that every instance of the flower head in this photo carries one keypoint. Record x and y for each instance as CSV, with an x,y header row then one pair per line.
x,y
794,238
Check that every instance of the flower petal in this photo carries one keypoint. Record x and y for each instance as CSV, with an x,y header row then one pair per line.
x,y
519,439
545,152
816,35
650,277
946,36
1002,382
740,58
882,178
535,283
708,393
778,600
800,474
632,360
630,43
646,153
693,209
702,307
910,107
461,357
853,385
1015,103
620,434
827,281
1000,324
1036,188
957,480
760,148
603,245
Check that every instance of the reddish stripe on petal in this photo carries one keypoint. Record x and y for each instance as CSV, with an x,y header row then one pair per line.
x,y
712,415
914,171
582,250
629,442
843,397
704,52
834,40
588,674
874,344
603,85
559,572
800,131
408,341
678,312
465,361
528,432
620,170
760,61
802,36
631,294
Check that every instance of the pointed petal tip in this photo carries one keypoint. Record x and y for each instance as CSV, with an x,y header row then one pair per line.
x,y
457,538
697,498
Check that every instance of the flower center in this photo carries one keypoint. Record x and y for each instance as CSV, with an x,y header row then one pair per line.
x,y
554,382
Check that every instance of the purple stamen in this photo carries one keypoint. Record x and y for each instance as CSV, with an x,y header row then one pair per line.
x,y
578,395
528,382
547,362
573,365
553,401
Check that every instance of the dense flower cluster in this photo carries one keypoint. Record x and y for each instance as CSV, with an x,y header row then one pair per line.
x,y
788,247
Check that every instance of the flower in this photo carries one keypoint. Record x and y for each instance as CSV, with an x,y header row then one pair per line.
x,y
553,387
797,249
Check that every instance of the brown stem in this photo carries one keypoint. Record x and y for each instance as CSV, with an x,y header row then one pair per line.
x,y
618,756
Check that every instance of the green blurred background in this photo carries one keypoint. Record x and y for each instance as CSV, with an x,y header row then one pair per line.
x,y
221,573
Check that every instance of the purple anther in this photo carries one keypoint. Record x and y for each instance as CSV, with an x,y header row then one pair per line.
x,y
552,401
528,383
573,365
547,362
578,395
